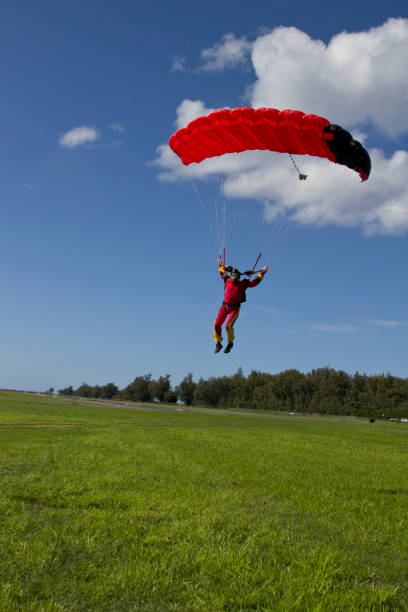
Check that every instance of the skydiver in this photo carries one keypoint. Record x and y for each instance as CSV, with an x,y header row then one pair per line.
x,y
234,296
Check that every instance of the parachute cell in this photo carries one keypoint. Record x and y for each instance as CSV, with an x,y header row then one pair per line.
x,y
286,131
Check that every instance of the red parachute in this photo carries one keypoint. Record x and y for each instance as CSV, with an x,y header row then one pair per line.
x,y
285,131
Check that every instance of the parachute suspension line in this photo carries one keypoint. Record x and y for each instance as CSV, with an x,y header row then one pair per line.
x,y
219,216
223,216
290,229
218,220
293,233
282,226
227,223
278,244
279,234
204,208
230,228
219,230
302,177
284,234
282,223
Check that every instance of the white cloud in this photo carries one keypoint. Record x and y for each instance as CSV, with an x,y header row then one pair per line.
x,y
332,194
190,110
384,323
273,311
178,64
117,127
322,327
357,80
356,77
79,136
226,54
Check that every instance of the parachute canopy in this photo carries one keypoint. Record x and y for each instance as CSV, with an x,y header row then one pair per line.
x,y
286,131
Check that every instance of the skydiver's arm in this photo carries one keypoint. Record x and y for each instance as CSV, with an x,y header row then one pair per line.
x,y
223,273
258,278
222,270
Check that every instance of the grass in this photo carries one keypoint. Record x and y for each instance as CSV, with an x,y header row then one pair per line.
x,y
116,509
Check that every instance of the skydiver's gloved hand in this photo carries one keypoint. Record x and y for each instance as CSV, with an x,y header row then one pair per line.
x,y
265,269
229,268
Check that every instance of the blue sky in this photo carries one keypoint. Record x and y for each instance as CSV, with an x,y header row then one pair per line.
x,y
108,258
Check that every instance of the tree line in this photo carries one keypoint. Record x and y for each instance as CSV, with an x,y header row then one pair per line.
x,y
322,391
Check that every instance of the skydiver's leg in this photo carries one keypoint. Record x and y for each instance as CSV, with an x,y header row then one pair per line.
x,y
222,315
229,326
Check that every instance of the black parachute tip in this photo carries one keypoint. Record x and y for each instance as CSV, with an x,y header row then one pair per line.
x,y
347,151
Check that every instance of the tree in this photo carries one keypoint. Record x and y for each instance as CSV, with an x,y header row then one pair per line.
x,y
109,390
159,388
331,391
209,392
97,390
185,390
84,390
322,390
170,397
138,390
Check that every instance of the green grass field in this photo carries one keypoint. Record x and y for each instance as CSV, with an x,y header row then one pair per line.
x,y
117,509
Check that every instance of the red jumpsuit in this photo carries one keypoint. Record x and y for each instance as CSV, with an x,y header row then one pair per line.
x,y
234,295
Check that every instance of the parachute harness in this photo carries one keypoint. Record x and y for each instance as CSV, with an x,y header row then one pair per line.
x,y
302,177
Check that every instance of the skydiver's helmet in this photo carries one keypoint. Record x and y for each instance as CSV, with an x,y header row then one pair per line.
x,y
236,272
